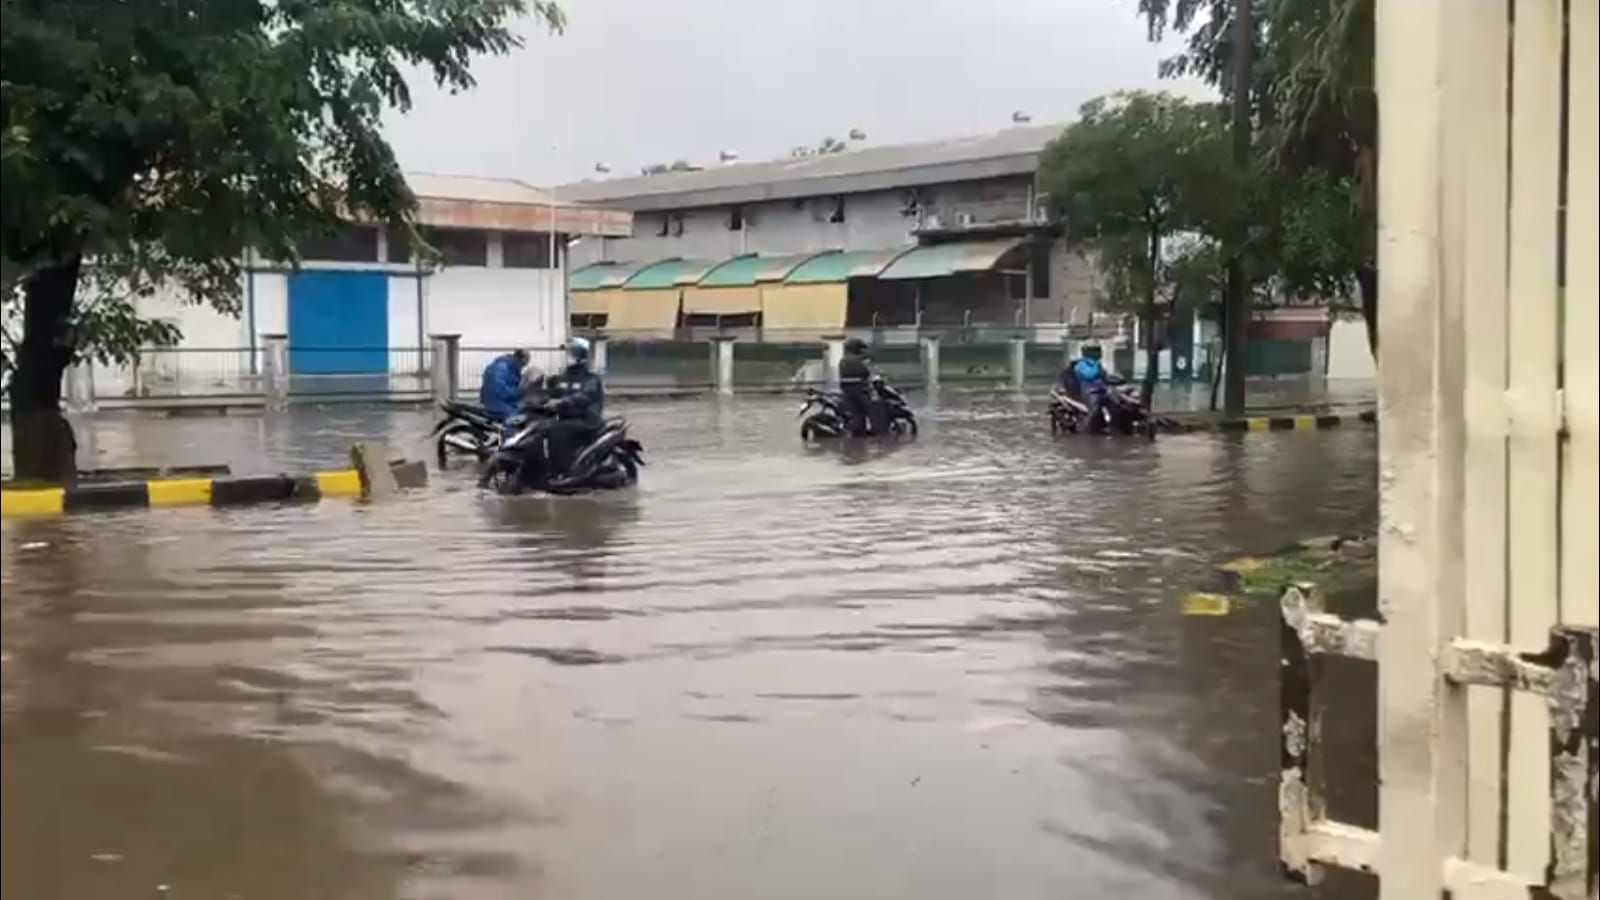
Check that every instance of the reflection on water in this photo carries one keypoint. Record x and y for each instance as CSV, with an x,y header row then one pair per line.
x,y
948,668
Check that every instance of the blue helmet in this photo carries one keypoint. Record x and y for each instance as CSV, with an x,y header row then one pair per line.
x,y
578,349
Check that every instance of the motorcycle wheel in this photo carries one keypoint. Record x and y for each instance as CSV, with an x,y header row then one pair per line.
x,y
445,449
502,475
905,425
1055,424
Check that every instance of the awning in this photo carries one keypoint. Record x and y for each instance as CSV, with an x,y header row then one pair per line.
x,y
814,309
667,273
939,260
638,313
591,303
604,274
842,266
751,268
721,301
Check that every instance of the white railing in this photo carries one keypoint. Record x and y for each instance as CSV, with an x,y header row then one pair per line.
x,y
1488,462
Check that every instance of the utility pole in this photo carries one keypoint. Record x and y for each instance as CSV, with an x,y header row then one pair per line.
x,y
1236,299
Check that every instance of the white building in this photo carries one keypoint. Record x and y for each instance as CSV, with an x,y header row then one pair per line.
x,y
361,304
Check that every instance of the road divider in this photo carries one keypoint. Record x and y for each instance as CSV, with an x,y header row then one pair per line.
x,y
1294,423
224,491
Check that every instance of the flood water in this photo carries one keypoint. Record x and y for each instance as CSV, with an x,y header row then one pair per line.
x,y
952,668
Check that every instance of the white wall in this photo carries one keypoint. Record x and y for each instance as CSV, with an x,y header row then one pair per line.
x,y
1348,353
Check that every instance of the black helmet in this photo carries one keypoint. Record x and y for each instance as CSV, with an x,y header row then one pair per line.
x,y
1091,350
855,347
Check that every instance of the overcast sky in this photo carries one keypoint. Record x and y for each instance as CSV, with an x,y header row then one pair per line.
x,y
633,82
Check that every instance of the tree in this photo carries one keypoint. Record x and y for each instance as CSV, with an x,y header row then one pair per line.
x,y
1134,170
1316,108
155,142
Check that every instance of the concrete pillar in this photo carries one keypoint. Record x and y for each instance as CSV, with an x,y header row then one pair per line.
x,y
722,363
1019,361
930,360
445,375
80,387
1319,357
275,370
598,359
832,355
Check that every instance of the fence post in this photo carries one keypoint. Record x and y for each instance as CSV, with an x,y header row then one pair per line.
x,y
275,370
80,387
832,355
722,363
1019,360
445,373
597,354
930,360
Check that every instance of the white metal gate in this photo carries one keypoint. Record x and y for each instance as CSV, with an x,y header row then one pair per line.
x,y
1488,575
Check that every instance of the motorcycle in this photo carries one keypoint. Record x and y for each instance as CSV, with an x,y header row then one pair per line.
x,y
1121,412
466,430
522,463
829,420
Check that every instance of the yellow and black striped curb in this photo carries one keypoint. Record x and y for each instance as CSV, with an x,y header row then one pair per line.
x,y
231,491
1288,423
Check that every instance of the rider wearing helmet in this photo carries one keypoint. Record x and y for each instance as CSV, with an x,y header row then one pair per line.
x,y
1085,378
579,399
855,386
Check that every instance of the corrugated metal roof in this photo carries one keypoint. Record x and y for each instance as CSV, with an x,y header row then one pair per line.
x,y
1024,144
836,266
486,190
751,268
505,204
947,259
591,277
668,273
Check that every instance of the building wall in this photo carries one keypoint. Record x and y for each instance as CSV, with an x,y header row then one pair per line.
x,y
875,220
493,308
1348,353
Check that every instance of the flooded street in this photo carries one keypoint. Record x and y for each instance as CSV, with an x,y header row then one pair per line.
x,y
952,668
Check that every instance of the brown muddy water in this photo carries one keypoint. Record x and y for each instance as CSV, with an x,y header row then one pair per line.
x,y
953,668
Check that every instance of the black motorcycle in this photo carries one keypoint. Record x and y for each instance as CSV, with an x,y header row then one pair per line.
x,y
466,430
522,463
1121,412
827,417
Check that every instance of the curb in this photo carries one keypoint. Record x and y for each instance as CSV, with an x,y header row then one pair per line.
x,y
1290,423
218,492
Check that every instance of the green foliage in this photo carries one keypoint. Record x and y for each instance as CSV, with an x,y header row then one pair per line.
x,y
1134,170
1323,236
1316,124
163,140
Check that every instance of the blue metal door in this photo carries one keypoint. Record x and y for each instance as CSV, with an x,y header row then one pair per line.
x,y
338,323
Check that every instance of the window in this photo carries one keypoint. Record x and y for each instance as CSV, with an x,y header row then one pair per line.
x,y
399,245
459,246
736,218
666,219
345,243
589,321
837,215
527,250
1039,261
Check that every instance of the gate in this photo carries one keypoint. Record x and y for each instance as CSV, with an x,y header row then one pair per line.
x,y
1489,368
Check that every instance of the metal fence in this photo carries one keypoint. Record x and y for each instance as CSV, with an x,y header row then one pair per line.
x,y
761,360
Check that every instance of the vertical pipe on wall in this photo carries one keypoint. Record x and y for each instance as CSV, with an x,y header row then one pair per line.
x,y
250,307
422,331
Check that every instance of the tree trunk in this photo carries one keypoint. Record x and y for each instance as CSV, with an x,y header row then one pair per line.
x,y
1367,281
1236,334
43,446
1152,347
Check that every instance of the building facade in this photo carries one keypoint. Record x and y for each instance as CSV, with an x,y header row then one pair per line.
x,y
362,303
977,191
